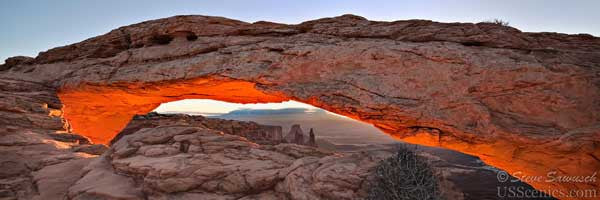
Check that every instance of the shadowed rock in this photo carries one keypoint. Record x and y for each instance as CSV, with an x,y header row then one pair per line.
x,y
311,140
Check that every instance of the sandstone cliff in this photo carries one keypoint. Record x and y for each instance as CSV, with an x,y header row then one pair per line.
x,y
258,133
523,102
297,136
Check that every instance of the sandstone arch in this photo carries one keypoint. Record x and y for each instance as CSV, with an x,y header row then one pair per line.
x,y
521,101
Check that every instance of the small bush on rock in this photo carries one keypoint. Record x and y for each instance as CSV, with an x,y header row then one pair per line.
x,y
404,176
499,22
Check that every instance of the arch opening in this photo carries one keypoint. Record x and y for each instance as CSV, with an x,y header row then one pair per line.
x,y
100,112
331,130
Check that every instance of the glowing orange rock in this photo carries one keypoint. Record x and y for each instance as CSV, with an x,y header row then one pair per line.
x,y
100,112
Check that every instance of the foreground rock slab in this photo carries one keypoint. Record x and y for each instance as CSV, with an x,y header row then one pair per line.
x,y
187,162
183,162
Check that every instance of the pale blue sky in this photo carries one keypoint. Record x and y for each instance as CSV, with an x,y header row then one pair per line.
x,y
30,26
213,106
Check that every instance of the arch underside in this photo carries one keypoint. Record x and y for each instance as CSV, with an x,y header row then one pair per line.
x,y
100,112
491,91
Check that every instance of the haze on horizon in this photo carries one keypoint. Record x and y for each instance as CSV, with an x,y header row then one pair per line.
x,y
207,106
29,26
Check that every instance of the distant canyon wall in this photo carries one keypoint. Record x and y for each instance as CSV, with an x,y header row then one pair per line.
x,y
258,133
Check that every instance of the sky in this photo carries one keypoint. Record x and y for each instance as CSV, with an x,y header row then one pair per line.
x,y
207,106
28,27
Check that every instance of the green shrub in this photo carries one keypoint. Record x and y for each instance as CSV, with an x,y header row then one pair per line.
x,y
404,176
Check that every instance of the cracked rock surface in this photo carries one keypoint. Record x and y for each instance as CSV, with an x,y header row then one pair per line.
x,y
190,162
183,162
38,159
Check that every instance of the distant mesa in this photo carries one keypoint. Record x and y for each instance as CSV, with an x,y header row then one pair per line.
x,y
270,111
249,111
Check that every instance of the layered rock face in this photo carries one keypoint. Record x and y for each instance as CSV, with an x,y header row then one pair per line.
x,y
39,159
524,102
258,133
297,136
